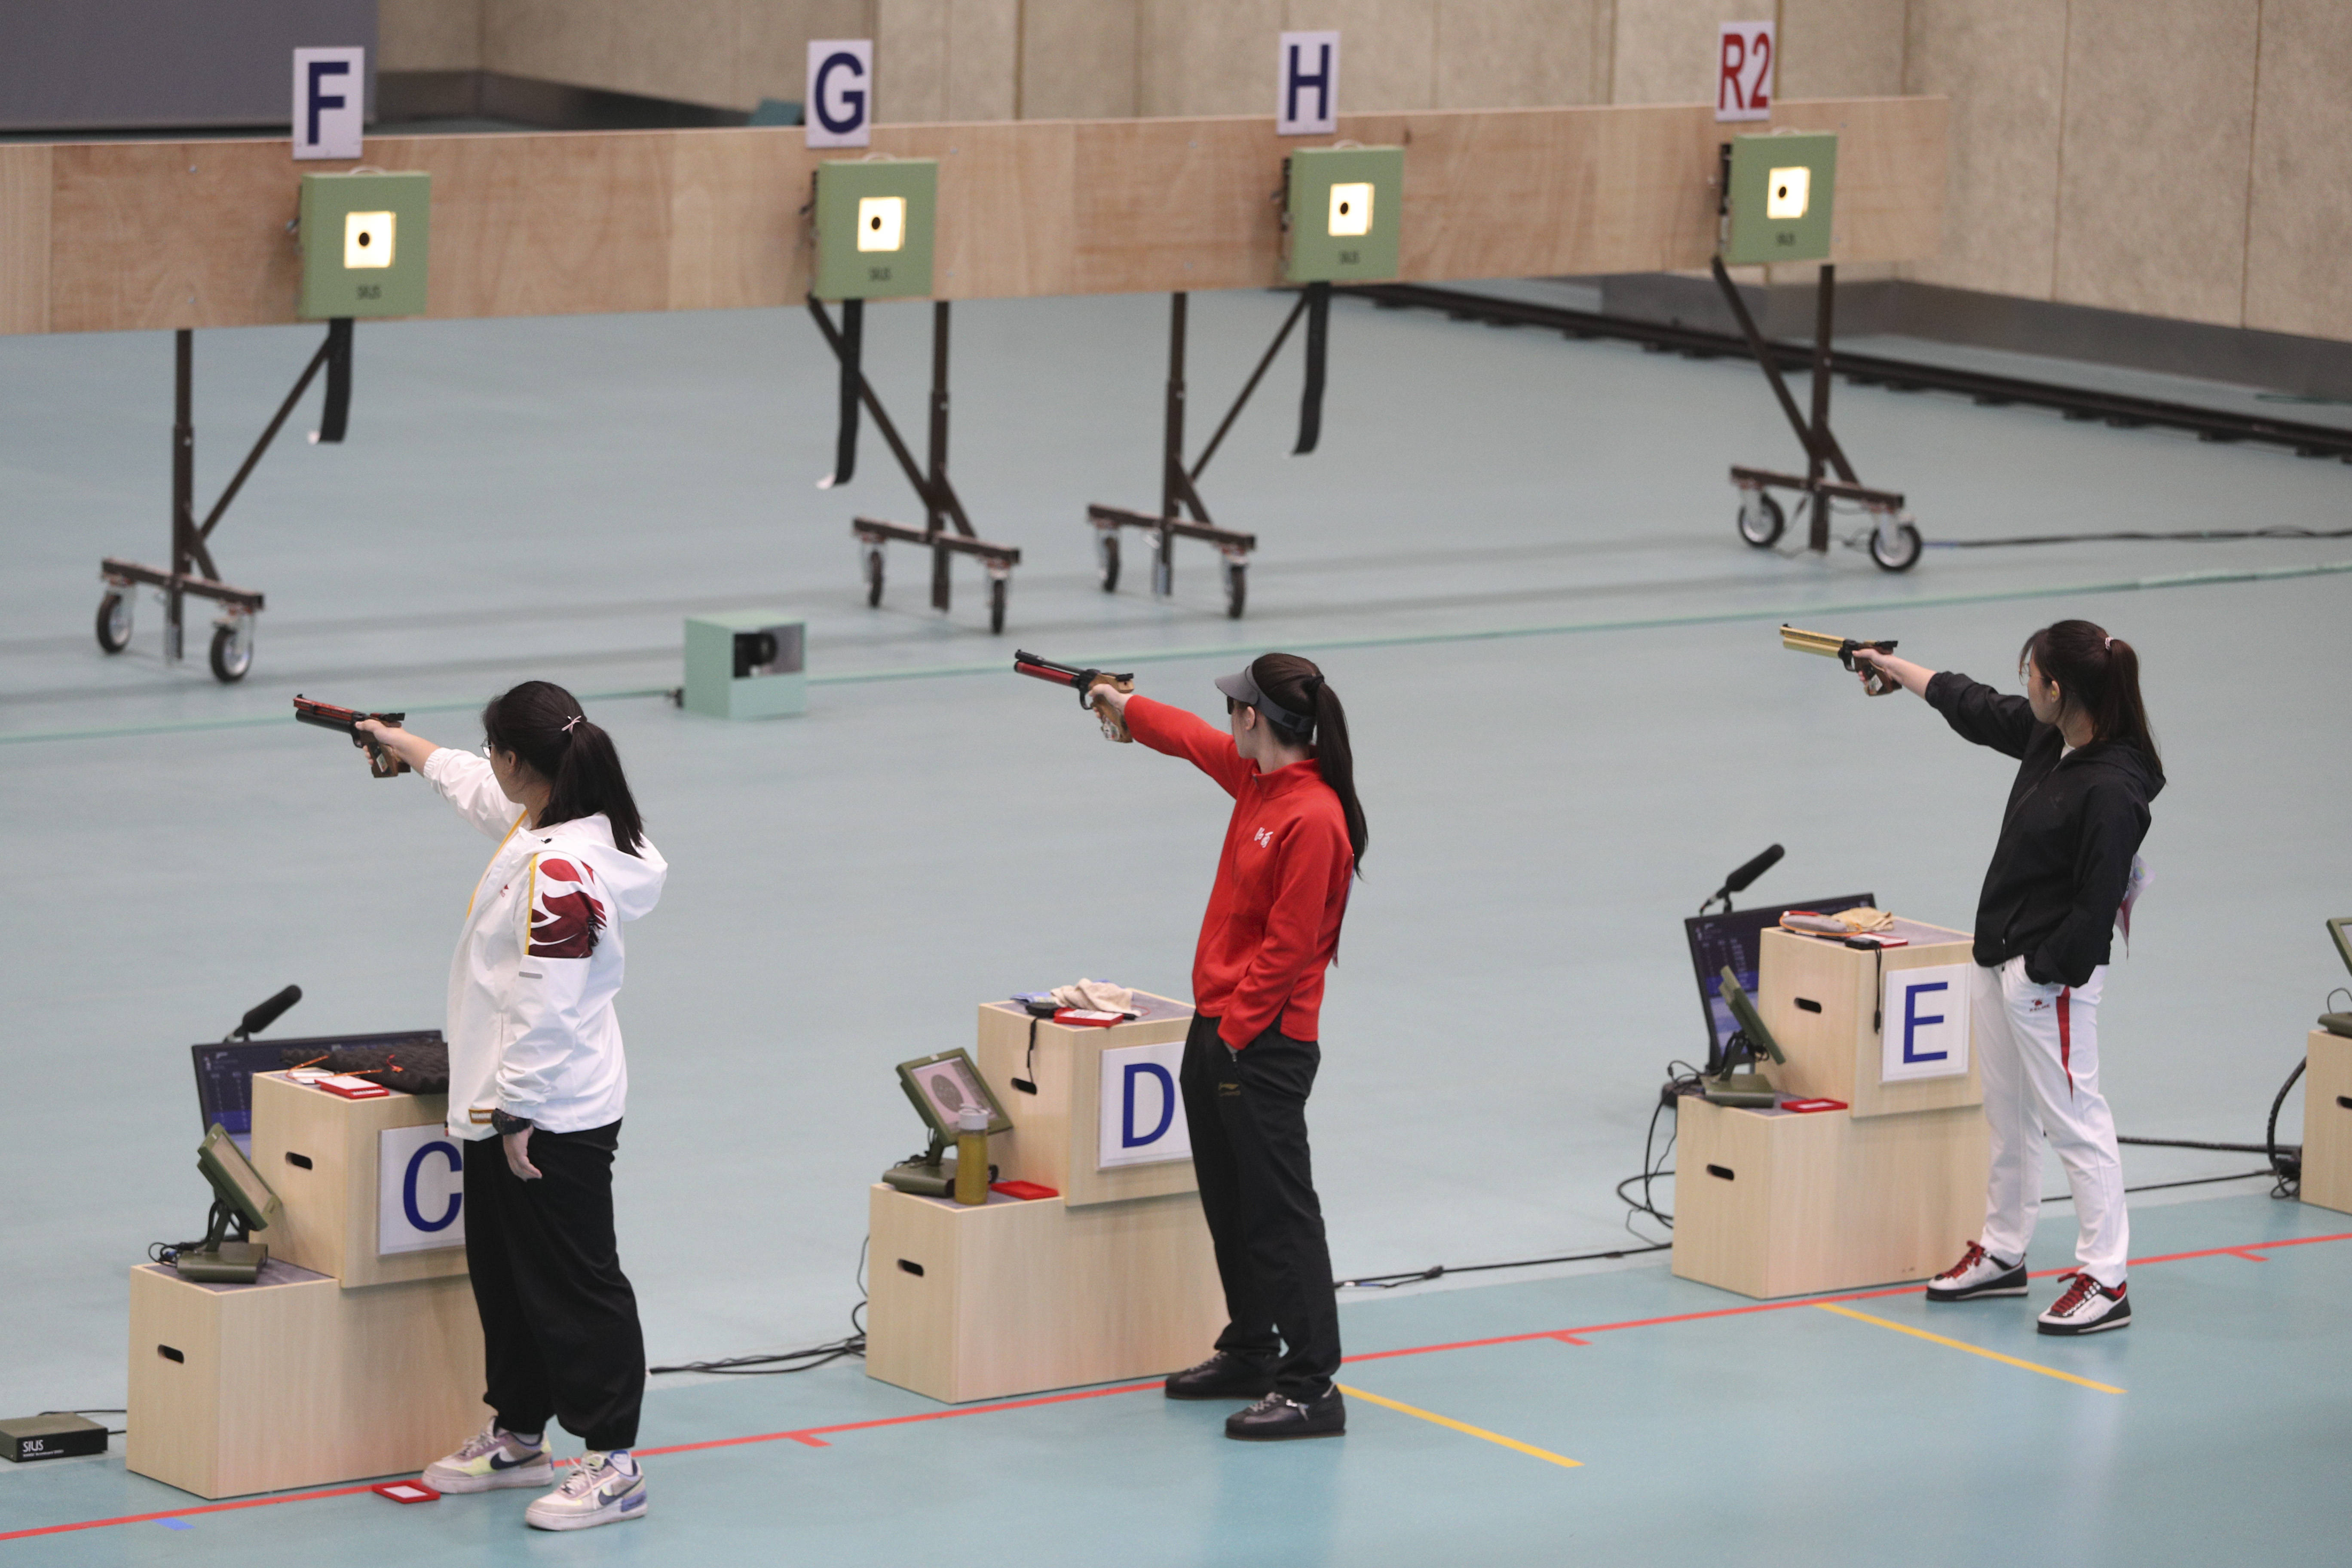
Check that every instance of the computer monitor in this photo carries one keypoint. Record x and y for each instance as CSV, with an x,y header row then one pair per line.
x,y
1735,941
224,1072
242,1200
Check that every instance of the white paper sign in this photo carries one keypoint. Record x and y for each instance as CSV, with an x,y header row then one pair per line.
x,y
329,111
1142,1118
1306,96
839,109
1924,1027
1744,58
420,1198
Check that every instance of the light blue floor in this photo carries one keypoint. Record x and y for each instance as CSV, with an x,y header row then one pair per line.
x,y
1702,1427
1571,716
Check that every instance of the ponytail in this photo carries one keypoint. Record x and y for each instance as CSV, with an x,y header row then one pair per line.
x,y
1298,687
541,723
2098,675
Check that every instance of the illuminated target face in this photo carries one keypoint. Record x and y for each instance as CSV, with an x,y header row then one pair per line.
x,y
881,223
1351,209
1788,192
367,239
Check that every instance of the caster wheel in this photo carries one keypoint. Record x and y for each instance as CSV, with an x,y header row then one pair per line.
x,y
1762,521
1895,548
114,621
1106,552
872,579
1236,589
998,588
233,650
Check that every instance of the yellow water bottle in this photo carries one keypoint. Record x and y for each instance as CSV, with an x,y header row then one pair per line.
x,y
971,1155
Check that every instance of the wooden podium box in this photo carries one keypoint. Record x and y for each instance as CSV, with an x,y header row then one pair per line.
x,y
1113,1278
1775,1203
338,1363
2327,1121
294,1381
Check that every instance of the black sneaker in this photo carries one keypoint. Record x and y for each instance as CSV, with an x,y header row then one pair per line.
x,y
1978,1273
1277,1418
2087,1307
1221,1377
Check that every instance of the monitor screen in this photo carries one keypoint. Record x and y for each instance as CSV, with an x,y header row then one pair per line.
x,y
1736,939
235,1181
224,1072
941,1086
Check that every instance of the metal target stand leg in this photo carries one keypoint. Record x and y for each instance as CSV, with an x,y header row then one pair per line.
x,y
191,573
946,531
1179,481
1894,541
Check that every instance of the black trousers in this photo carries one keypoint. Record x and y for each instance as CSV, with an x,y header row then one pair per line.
x,y
560,1332
1247,1114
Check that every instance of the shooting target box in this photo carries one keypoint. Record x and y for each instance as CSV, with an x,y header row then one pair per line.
x,y
750,664
1342,207
874,222
365,237
1780,188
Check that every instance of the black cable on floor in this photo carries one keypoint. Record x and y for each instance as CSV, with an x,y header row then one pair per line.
x,y
1391,1281
2191,536
807,1360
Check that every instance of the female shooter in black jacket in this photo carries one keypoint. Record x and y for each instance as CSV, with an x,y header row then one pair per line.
x,y
2075,821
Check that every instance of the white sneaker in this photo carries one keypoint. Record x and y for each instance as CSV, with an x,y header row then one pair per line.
x,y
2087,1307
597,1491
491,1458
1978,1273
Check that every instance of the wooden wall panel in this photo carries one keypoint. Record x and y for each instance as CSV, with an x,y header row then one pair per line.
x,y
146,235
25,184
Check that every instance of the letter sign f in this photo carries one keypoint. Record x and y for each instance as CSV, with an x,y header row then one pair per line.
x,y
315,101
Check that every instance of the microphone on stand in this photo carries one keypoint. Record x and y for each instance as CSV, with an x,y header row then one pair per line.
x,y
1739,881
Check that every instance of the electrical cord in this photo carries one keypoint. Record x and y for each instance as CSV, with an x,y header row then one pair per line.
x,y
96,1410
786,1362
2190,536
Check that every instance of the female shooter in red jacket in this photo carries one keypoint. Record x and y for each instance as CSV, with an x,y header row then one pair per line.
x,y
1273,926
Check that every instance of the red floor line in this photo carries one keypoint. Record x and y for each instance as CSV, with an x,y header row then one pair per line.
x,y
813,1437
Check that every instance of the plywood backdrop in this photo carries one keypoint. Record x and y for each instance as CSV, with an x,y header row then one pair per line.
x,y
155,235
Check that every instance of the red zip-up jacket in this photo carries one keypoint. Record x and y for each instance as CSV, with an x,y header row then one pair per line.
x,y
1273,916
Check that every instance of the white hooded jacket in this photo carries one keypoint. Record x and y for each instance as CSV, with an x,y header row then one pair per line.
x,y
531,1030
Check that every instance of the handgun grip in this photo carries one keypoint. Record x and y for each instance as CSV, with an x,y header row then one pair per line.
x,y
1113,722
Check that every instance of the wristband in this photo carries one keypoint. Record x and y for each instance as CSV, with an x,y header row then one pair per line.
x,y
507,1126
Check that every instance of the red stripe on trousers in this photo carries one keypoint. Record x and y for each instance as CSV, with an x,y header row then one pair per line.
x,y
2066,1036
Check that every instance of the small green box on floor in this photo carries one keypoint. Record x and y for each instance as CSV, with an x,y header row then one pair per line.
x,y
1344,207
873,229
1781,188
365,243
752,664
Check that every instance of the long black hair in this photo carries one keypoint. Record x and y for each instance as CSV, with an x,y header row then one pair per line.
x,y
1295,684
541,723
2097,674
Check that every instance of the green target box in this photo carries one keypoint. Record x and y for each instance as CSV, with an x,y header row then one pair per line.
x,y
1780,189
1343,205
366,238
874,224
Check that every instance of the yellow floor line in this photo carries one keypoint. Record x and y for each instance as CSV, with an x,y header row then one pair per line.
x,y
1448,1421
1964,1345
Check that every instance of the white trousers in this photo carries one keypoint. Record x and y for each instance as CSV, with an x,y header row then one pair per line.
x,y
2038,1053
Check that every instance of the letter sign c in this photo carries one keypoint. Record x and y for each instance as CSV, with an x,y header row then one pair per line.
x,y
448,1152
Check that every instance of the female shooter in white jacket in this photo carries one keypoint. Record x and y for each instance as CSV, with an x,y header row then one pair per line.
x,y
537,1083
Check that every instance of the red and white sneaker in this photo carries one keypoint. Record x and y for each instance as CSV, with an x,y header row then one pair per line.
x,y
1978,1273
2087,1307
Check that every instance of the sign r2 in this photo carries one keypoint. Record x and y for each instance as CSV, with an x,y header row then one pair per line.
x,y
1745,54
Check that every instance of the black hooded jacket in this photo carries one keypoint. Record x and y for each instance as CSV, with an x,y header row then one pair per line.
x,y
2075,821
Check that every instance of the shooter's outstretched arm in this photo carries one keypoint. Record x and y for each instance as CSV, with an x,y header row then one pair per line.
x,y
1914,678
